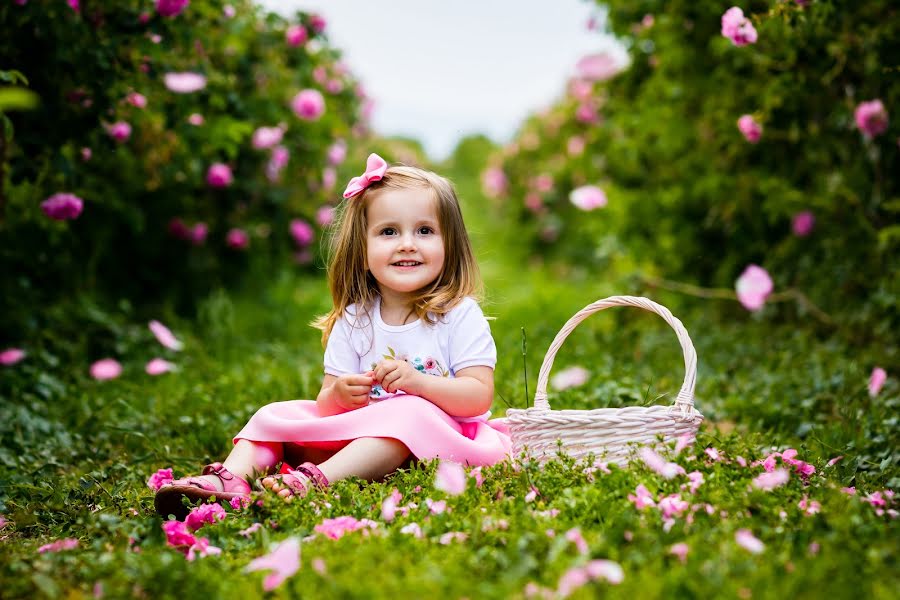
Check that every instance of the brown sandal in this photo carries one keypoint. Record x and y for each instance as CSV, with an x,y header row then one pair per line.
x,y
168,497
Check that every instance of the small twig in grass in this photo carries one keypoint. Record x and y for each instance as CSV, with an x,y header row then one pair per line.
x,y
727,294
525,365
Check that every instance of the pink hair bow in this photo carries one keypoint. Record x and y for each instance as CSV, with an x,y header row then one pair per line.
x,y
375,168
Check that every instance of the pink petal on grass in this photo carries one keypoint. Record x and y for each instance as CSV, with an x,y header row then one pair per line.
x,y
745,539
753,287
658,464
59,545
283,561
106,368
876,381
771,480
450,478
11,356
569,378
164,336
158,366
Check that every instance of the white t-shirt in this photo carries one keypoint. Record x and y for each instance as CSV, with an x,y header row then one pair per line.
x,y
459,339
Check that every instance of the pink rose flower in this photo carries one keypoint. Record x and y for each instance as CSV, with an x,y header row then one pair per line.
x,y
494,182
581,89
195,119
751,130
308,105
159,479
679,550
177,535
158,366
295,35
184,83
586,113
11,356
802,224
871,118
171,8
136,100
119,131
317,22
204,514
450,478
302,232
62,206
219,175
325,215
277,161
198,233
642,498
266,137
329,178
672,506
598,67
575,145
746,540
228,11
753,287
738,28
876,381
588,197
337,152
106,368
86,154
237,239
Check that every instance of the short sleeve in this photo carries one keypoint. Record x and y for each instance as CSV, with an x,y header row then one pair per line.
x,y
470,341
340,356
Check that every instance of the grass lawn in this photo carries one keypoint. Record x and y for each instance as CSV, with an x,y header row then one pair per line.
x,y
76,455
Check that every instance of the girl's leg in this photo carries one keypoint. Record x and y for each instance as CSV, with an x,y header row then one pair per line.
x,y
367,458
248,458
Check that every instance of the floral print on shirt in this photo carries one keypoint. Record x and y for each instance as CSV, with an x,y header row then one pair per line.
x,y
427,365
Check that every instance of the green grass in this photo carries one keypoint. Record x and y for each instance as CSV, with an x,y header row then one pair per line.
x,y
76,454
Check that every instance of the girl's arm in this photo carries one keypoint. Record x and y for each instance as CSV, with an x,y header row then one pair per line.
x,y
469,394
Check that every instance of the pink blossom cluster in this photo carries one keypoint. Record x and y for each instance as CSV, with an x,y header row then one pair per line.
x,y
178,537
159,479
171,8
597,569
337,527
753,287
737,27
283,562
219,175
62,206
750,128
871,118
295,35
493,182
278,160
203,515
788,457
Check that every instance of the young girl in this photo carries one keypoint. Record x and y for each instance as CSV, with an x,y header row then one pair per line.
x,y
409,357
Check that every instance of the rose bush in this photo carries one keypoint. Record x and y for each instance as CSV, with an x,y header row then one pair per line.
x,y
725,127
138,174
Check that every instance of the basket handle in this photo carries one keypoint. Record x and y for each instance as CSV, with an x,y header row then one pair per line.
x,y
685,399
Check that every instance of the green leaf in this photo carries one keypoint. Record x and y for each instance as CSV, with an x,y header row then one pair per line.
x,y
13,98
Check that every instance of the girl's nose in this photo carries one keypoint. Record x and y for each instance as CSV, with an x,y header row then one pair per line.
x,y
407,242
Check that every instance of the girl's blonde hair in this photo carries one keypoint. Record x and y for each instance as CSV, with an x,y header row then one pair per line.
x,y
351,283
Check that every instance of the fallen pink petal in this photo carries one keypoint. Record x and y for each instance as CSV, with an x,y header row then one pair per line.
x,y
164,336
283,561
106,368
450,478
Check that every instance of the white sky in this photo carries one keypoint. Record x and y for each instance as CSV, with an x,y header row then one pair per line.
x,y
440,70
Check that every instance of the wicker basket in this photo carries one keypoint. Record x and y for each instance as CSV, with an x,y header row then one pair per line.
x,y
608,433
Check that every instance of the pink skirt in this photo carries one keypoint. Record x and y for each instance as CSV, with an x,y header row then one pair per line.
x,y
424,428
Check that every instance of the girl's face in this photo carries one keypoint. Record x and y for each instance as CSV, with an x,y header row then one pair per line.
x,y
405,250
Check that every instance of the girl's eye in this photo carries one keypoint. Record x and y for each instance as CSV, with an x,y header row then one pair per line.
x,y
388,231
425,230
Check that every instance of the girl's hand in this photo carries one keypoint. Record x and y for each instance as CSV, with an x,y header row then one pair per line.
x,y
352,391
396,375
